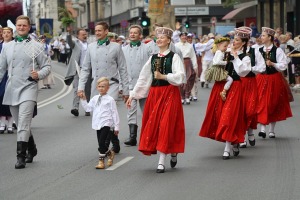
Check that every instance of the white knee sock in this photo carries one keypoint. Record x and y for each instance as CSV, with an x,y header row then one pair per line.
x,y
227,146
3,120
250,134
10,121
262,128
162,158
272,127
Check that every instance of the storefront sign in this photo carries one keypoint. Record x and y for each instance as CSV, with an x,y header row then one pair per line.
x,y
183,11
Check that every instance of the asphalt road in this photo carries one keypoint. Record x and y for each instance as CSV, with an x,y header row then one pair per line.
x,y
67,154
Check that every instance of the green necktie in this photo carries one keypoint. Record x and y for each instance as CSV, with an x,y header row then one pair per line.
x,y
100,42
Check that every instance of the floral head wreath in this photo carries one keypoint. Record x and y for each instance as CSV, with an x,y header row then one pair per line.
x,y
222,39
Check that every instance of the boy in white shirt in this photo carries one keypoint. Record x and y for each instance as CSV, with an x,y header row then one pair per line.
x,y
105,119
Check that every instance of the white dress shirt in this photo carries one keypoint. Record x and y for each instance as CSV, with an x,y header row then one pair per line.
x,y
105,111
177,77
281,58
188,51
219,58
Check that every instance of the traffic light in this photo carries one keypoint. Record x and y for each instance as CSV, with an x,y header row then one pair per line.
x,y
145,20
187,24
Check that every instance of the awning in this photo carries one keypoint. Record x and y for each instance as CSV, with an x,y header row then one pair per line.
x,y
237,13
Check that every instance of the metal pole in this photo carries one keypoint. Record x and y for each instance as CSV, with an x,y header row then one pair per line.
x,y
110,17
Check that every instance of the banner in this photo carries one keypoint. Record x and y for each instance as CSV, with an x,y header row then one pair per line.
x,y
46,28
156,7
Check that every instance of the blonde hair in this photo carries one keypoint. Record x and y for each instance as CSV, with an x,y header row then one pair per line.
x,y
219,41
103,79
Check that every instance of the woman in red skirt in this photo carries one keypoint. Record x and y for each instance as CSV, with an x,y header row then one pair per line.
x,y
272,93
163,122
224,120
250,96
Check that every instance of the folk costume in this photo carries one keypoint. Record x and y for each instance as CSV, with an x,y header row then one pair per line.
x,y
249,85
136,55
190,66
272,93
163,121
222,120
5,114
21,92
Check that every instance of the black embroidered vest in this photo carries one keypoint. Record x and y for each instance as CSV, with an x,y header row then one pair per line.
x,y
272,55
163,65
229,67
251,54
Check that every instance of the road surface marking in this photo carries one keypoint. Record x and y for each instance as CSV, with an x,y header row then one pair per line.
x,y
121,162
65,91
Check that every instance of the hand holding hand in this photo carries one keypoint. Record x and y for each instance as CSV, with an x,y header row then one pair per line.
x,y
125,98
128,102
80,93
116,132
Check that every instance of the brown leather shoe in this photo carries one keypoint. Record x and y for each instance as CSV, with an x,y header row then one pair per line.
x,y
110,156
101,164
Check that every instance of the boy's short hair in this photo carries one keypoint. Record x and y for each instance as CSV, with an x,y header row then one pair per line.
x,y
102,79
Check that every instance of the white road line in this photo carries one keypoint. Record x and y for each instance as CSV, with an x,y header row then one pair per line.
x,y
118,164
65,91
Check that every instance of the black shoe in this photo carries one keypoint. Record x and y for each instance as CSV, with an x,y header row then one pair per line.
x,y
262,134
21,155
10,130
75,112
243,145
15,125
32,150
131,141
226,157
202,84
173,163
252,143
2,131
236,150
271,135
161,170
87,114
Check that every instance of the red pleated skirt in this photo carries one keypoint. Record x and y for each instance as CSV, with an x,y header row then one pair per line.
x,y
250,100
163,122
273,98
224,120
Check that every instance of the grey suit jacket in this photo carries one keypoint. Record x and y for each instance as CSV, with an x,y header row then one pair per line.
x,y
19,65
105,60
76,54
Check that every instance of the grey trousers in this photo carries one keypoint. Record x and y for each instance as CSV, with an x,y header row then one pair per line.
x,y
132,112
22,115
87,90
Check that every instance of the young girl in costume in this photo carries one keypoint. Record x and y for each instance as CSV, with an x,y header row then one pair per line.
x,y
217,72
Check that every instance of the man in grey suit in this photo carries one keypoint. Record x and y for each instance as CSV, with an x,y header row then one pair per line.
x,y
105,59
79,49
22,87
136,55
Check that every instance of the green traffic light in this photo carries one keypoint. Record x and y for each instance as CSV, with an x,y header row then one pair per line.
x,y
144,23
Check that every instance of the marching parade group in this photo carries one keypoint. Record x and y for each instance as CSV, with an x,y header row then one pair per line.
x,y
160,76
